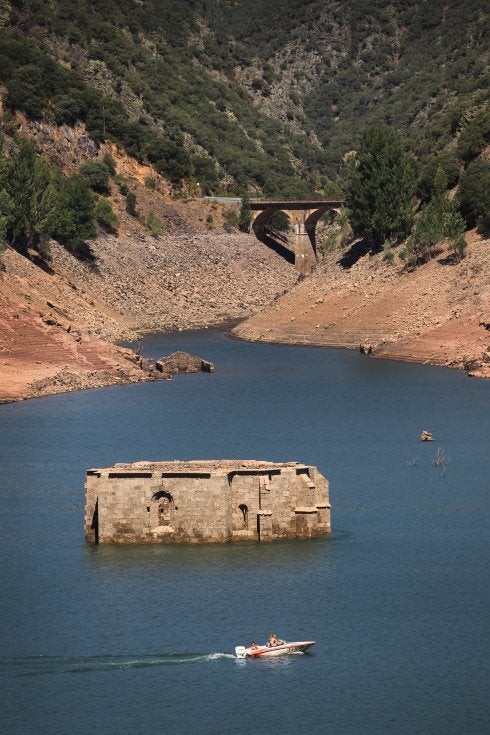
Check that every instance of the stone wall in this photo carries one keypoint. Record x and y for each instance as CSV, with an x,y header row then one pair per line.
x,y
205,502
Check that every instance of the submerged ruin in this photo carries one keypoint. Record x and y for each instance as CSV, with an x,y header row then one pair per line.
x,y
209,501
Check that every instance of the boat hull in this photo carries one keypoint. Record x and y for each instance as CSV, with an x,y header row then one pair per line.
x,y
268,651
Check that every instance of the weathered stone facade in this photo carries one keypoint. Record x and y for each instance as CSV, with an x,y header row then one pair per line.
x,y
205,502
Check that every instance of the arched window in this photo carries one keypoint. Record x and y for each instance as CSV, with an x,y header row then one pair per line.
x,y
244,511
165,507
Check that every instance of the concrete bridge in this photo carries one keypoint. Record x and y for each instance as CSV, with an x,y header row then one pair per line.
x,y
303,215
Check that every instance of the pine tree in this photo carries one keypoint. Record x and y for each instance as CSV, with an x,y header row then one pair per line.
x,y
32,189
380,188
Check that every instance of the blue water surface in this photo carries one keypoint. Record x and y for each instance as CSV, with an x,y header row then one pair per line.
x,y
138,639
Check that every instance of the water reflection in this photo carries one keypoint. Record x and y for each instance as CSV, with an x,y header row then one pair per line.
x,y
246,556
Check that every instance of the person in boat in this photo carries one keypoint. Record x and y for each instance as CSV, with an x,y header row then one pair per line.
x,y
273,640
254,646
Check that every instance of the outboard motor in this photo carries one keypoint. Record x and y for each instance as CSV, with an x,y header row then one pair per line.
x,y
240,651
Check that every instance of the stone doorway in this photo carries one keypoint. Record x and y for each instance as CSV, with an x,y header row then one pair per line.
x,y
164,508
244,516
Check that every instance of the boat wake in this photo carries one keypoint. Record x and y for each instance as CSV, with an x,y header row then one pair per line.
x,y
38,665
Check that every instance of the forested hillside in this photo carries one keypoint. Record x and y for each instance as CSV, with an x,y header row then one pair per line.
x,y
250,94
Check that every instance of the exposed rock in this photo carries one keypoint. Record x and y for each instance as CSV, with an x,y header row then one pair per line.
x,y
471,364
366,349
182,362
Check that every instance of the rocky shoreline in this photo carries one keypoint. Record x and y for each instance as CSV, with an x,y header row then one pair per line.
x,y
59,323
58,326
437,314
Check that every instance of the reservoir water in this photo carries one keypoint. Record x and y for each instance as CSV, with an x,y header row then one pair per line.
x,y
139,639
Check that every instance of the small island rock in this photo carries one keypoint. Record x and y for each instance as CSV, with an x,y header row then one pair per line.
x,y
182,362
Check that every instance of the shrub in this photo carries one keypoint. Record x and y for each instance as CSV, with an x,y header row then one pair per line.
x,y
105,215
245,216
69,107
388,254
458,248
150,183
439,220
327,243
131,204
109,163
26,90
170,160
475,137
154,224
205,173
230,218
97,174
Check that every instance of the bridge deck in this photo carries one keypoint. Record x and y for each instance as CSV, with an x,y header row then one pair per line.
x,y
262,204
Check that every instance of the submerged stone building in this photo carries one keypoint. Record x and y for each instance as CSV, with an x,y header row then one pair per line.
x,y
205,502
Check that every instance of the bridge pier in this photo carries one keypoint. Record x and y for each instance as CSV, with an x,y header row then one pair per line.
x,y
303,216
304,246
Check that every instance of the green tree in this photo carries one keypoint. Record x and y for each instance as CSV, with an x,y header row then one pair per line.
x,y
439,220
32,189
75,219
26,89
448,162
474,195
69,106
380,187
245,216
170,160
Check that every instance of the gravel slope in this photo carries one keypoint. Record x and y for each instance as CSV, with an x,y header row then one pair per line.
x,y
435,314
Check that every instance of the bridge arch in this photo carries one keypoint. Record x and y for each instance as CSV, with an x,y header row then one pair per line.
x,y
304,216
262,219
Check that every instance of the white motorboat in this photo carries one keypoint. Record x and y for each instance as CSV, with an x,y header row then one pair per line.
x,y
279,649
